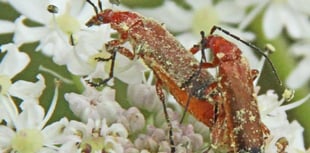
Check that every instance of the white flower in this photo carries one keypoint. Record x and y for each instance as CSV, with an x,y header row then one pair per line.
x,y
13,57
61,30
174,17
154,140
130,72
292,132
202,16
6,27
157,140
144,96
27,131
186,138
28,91
274,116
202,11
132,119
126,70
301,73
95,136
94,104
290,14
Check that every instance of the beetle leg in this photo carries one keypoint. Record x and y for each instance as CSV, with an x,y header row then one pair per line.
x,y
112,47
195,49
104,81
186,107
122,50
254,74
161,96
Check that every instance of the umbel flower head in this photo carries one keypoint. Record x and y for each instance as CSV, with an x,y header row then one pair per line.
x,y
27,131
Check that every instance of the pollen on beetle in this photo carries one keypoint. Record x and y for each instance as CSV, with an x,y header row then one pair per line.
x,y
124,26
252,118
220,55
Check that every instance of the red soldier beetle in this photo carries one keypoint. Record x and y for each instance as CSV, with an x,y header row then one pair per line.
x,y
237,125
175,67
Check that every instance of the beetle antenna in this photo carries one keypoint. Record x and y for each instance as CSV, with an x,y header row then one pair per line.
x,y
94,6
100,5
203,44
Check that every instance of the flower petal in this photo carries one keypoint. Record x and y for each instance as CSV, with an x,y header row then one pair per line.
x,y
272,22
28,91
76,66
144,96
94,105
132,119
300,5
295,23
225,10
175,18
31,116
292,132
116,129
6,135
6,26
24,34
13,57
301,48
35,10
132,73
296,130
8,110
300,75
53,133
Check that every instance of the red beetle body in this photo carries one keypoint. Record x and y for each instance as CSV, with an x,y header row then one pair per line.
x,y
238,127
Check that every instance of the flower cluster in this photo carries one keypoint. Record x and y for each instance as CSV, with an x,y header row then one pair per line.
x,y
126,115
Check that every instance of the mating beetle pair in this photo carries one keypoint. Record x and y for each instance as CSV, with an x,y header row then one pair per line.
x,y
227,105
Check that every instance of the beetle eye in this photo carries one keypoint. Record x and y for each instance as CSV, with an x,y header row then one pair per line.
x,y
100,18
